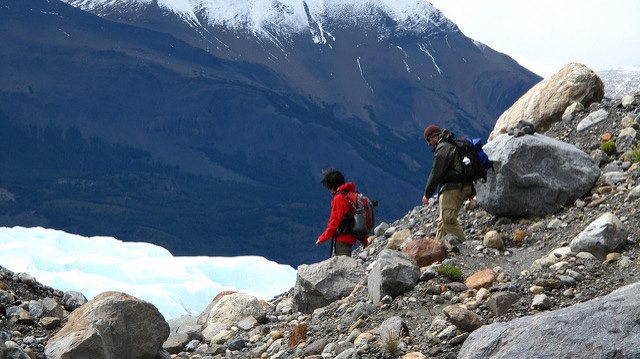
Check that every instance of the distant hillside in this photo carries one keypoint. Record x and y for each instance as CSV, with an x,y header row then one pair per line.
x,y
131,125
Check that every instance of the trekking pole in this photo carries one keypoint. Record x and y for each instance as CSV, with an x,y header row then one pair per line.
x,y
333,243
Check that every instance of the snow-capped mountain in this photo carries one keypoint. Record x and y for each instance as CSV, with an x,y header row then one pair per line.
x,y
269,18
202,126
620,82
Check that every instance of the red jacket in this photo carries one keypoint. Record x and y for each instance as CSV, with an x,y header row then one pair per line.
x,y
339,207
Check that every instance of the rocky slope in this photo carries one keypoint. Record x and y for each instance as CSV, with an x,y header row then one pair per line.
x,y
526,267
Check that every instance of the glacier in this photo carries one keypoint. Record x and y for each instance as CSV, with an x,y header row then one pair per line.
x,y
175,285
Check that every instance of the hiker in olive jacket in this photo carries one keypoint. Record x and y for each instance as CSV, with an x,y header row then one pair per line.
x,y
446,176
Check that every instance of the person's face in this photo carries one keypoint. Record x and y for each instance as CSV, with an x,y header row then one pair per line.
x,y
433,140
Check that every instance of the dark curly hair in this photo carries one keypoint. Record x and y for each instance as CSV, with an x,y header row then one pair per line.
x,y
332,178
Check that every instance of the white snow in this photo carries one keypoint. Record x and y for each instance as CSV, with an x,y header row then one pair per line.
x,y
175,285
621,81
286,16
424,49
362,74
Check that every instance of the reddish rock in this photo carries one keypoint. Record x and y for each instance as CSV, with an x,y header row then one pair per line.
x,y
518,237
425,251
605,137
481,279
298,335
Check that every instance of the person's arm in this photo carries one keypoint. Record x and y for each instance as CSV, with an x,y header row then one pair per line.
x,y
339,207
437,172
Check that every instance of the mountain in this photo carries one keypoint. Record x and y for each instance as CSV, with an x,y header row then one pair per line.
x,y
620,82
204,128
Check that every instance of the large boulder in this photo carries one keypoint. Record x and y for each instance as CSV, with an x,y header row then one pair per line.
x,y
545,103
605,327
534,175
111,325
393,273
426,251
231,309
602,236
320,284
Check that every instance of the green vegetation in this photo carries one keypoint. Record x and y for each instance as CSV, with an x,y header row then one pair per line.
x,y
635,154
608,147
450,271
390,340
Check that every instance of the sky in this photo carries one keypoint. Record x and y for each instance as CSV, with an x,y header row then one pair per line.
x,y
543,35
175,285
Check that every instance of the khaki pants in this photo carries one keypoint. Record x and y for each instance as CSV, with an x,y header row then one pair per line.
x,y
341,249
450,203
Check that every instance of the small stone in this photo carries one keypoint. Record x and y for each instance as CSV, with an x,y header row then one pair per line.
x,y
575,275
628,100
298,335
536,289
549,283
463,318
567,280
586,255
493,239
481,279
628,121
624,262
596,202
276,335
606,137
448,333
568,293
554,224
72,300
501,302
414,355
237,344
540,301
27,279
50,322
612,257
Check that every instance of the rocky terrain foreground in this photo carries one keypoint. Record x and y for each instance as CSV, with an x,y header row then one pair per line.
x,y
556,275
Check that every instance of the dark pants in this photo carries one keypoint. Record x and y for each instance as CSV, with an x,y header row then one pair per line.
x,y
341,249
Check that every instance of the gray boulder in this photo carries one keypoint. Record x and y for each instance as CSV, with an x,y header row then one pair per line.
x,y
592,119
72,300
393,273
605,327
602,236
320,284
534,175
111,325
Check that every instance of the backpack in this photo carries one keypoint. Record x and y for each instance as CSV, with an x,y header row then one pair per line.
x,y
360,220
475,162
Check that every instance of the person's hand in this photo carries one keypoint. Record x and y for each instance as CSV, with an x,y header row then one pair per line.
x,y
425,200
318,242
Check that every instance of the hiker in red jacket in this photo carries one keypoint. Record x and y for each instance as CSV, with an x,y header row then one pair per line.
x,y
341,242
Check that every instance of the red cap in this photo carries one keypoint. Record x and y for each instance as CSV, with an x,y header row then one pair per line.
x,y
431,130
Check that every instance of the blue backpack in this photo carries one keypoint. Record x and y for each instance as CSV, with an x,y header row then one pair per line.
x,y
475,162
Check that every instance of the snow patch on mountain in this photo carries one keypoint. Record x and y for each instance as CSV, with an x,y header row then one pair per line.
x,y
284,17
620,82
